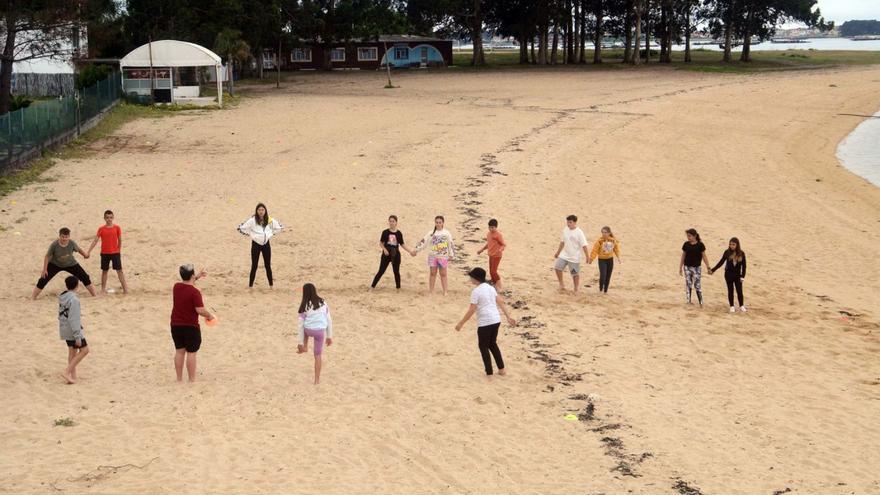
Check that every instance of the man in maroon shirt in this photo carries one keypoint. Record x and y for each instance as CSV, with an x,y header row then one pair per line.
x,y
185,331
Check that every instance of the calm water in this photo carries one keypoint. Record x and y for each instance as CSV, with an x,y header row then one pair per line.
x,y
813,43
860,151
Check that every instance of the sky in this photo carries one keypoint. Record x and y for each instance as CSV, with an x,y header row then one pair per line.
x,y
840,11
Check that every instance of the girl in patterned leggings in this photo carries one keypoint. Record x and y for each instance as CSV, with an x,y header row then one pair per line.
x,y
693,254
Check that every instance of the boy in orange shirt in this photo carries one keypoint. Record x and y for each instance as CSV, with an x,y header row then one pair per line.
x,y
495,245
111,247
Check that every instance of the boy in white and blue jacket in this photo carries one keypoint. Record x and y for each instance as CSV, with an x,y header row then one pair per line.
x,y
70,328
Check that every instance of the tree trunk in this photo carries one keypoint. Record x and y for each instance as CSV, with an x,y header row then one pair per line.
x,y
523,46
532,45
628,35
647,31
569,34
555,49
664,31
230,74
728,33
597,54
583,36
746,55
6,62
278,65
477,36
687,35
576,39
637,38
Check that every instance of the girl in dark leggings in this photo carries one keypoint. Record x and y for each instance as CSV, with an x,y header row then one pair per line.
x,y
391,242
485,302
260,227
734,261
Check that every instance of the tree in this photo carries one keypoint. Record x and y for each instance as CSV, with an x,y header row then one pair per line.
x,y
761,17
859,28
230,44
34,29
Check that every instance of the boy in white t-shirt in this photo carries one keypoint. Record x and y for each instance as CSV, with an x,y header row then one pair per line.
x,y
568,256
485,302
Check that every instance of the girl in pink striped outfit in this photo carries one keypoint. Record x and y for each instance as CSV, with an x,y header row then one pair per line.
x,y
314,322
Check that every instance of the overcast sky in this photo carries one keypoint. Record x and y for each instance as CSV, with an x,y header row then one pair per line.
x,y
845,10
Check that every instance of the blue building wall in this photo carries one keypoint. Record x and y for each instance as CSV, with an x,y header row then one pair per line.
x,y
414,56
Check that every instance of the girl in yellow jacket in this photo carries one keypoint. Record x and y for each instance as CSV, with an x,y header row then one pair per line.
x,y
605,248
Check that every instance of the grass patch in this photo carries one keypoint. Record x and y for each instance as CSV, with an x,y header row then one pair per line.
x,y
702,61
79,148
64,422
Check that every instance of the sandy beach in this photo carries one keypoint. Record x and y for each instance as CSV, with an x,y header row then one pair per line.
x,y
685,400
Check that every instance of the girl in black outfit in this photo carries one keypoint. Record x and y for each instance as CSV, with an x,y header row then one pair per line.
x,y
734,260
391,242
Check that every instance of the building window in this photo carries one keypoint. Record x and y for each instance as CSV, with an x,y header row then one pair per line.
x,y
368,54
337,55
401,53
301,55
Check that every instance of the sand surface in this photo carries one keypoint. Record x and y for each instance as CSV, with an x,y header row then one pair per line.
x,y
687,400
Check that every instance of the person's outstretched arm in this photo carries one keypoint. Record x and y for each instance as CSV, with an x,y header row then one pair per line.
x,y
743,266
45,272
681,263
706,260
559,250
95,242
617,250
467,316
720,262
451,247
503,307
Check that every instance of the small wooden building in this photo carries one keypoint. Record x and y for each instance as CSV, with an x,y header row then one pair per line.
x,y
404,51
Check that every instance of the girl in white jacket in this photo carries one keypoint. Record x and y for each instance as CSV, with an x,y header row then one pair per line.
x,y
314,322
260,227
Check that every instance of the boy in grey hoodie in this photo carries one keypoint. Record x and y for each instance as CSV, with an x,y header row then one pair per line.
x,y
70,328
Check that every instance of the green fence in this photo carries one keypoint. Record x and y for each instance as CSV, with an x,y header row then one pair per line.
x,y
30,129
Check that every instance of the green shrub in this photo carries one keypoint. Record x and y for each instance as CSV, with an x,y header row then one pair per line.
x,y
91,74
17,102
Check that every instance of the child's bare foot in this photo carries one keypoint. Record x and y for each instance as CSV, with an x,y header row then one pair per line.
x,y
502,372
69,379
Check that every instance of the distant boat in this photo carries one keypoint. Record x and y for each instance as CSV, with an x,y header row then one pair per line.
x,y
866,37
789,40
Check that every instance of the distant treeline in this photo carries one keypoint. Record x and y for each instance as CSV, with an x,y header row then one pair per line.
x,y
859,28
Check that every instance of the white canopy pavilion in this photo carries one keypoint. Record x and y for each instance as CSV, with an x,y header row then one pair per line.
x,y
150,69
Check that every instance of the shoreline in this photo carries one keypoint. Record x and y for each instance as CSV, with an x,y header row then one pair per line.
x,y
857,152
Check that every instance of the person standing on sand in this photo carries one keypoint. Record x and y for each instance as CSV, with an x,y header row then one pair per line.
x,y
442,252
693,254
734,261
495,245
71,329
568,255
260,227
110,236
391,242
314,322
605,248
185,330
59,258
485,302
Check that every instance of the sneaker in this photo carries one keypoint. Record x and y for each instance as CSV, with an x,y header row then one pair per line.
x,y
742,308
733,309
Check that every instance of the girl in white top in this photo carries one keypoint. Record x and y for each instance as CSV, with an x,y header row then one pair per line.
x,y
314,322
260,227
442,251
485,302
